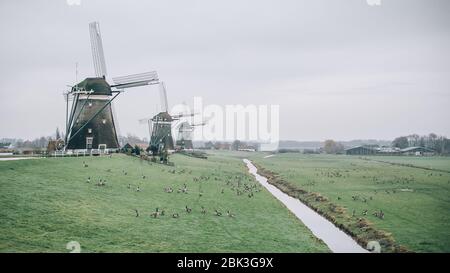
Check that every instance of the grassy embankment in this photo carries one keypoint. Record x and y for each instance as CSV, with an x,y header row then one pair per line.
x,y
45,203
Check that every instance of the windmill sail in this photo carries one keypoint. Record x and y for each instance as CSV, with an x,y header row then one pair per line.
x,y
163,97
97,49
136,80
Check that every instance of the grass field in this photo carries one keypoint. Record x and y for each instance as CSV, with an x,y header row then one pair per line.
x,y
45,203
415,202
435,162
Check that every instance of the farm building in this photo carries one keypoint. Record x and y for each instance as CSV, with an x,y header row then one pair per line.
x,y
360,150
417,151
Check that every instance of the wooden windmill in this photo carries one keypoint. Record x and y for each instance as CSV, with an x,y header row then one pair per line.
x,y
185,135
91,124
160,128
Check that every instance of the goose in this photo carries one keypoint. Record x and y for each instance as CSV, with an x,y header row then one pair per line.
x,y
230,214
143,176
222,191
88,180
154,214
137,212
138,189
188,210
203,210
129,186
175,215
218,213
364,212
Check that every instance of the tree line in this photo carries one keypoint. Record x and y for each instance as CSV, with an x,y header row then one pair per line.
x,y
440,144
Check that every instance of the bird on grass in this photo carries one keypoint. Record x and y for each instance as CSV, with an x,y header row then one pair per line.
x,y
188,210
229,214
218,213
175,215
138,189
137,212
203,210
88,180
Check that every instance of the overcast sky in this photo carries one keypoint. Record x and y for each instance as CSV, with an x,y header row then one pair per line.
x,y
339,69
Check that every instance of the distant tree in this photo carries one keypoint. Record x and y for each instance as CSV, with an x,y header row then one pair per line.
x,y
236,145
333,147
137,150
400,142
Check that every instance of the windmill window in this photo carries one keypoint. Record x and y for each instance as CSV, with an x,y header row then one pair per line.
x,y
89,131
104,121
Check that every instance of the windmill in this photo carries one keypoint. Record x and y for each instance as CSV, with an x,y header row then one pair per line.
x,y
160,128
91,124
185,135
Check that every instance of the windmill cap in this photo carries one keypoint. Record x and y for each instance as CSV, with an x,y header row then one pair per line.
x,y
98,85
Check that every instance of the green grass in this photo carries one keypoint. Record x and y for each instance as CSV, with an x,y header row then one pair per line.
x,y
45,203
435,162
416,202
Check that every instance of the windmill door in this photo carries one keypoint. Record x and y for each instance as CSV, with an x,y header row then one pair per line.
x,y
89,141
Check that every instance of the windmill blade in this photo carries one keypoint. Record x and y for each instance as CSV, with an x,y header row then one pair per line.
x,y
163,97
183,115
97,49
149,122
136,80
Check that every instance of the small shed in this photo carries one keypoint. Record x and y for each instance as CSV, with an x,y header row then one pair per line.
x,y
127,148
